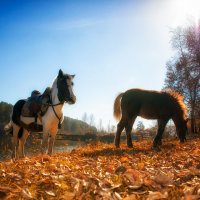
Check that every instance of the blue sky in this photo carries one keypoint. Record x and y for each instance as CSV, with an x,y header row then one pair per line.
x,y
111,46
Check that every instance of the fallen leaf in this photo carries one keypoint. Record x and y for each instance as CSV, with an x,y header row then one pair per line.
x,y
133,176
163,179
68,195
131,197
141,165
50,193
124,158
15,176
117,196
121,169
157,195
26,194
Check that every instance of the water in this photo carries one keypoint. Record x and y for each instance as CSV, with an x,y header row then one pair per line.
x,y
67,145
32,149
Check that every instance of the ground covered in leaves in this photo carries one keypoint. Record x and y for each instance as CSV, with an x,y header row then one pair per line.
x,y
99,171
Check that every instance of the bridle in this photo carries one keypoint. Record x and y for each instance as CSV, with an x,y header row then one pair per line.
x,y
53,105
61,85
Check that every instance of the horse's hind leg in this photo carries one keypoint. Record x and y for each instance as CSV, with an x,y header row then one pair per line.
x,y
16,129
161,127
22,141
120,127
128,128
127,123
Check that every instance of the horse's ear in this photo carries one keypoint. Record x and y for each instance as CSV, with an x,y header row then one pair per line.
x,y
73,75
60,73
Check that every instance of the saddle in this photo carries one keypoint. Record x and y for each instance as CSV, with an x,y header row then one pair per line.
x,y
37,104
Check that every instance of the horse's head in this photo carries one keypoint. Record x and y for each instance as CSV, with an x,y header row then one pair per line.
x,y
183,130
65,88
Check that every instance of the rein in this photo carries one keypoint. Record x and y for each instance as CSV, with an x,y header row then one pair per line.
x,y
53,105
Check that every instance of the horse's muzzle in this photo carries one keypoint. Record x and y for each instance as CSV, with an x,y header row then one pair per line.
x,y
72,100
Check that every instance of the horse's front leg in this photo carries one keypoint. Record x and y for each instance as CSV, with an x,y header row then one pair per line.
x,y
45,139
53,132
161,127
128,128
14,147
51,142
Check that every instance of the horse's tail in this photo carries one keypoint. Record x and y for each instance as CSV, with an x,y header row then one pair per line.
x,y
8,128
117,107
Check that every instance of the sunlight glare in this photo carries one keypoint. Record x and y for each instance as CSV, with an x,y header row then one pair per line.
x,y
186,9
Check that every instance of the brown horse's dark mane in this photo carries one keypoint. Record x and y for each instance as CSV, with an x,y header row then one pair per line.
x,y
178,99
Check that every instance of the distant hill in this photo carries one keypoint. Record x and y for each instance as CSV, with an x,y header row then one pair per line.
x,y
76,126
5,113
69,125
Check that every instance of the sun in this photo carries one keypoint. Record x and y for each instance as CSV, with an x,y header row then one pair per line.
x,y
185,9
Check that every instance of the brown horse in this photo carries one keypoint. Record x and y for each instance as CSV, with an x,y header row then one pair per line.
x,y
163,106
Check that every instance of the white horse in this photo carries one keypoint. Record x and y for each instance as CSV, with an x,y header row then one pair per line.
x,y
61,92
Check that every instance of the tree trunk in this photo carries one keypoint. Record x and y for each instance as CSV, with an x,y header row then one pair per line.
x,y
192,120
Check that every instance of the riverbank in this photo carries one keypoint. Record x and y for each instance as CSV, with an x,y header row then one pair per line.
x,y
34,148
63,143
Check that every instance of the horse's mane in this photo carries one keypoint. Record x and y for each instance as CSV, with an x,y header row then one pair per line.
x,y
178,99
53,82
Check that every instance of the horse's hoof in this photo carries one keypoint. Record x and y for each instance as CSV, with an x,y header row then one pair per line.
x,y
130,146
183,140
43,152
13,157
157,143
117,146
156,147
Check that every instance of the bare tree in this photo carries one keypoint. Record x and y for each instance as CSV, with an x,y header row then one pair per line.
x,y
183,70
91,122
113,128
140,126
85,117
109,127
100,125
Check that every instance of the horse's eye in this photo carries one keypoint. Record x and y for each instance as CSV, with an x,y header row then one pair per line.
x,y
72,83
